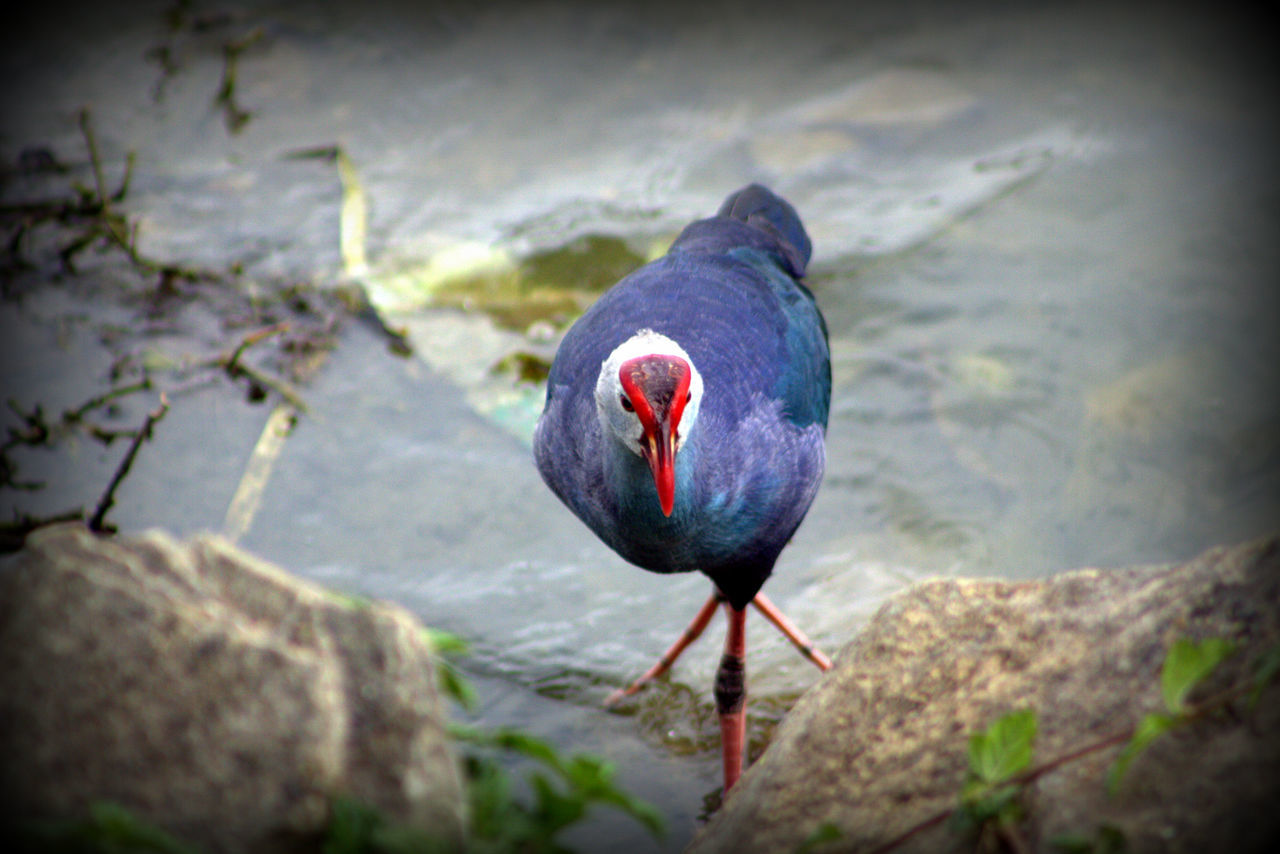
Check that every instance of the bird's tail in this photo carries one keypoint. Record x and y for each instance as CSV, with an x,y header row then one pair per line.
x,y
758,207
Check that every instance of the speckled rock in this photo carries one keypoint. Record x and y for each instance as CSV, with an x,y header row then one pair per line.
x,y
210,693
879,745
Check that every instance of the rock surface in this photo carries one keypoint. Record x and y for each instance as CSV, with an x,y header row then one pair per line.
x,y
880,744
211,694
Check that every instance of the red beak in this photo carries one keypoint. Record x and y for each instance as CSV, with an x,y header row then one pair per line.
x,y
660,452
657,388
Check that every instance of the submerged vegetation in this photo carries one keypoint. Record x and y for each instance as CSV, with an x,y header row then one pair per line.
x,y
300,320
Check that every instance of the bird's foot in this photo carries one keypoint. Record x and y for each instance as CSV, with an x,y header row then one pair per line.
x,y
691,634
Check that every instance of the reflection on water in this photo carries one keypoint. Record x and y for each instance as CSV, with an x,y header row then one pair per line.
x,y
1043,243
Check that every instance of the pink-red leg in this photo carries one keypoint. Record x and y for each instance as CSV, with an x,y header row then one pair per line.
x,y
731,676
731,695
691,634
793,634
699,624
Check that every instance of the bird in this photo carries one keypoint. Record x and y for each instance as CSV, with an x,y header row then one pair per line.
x,y
685,420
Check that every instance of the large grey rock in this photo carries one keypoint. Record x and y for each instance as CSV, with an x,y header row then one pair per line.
x,y
210,693
880,744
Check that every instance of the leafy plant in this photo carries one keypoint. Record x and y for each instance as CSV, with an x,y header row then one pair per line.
x,y
501,821
1108,839
1186,665
504,816
563,790
826,832
1267,666
356,828
996,756
108,829
446,645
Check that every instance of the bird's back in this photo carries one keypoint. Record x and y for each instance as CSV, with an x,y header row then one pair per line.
x,y
728,293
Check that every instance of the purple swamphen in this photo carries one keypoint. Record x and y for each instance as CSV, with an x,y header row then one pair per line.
x,y
685,418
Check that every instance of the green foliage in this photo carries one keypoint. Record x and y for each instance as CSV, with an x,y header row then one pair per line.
x,y
1000,757
108,829
445,645
356,828
996,756
1267,668
504,817
1149,729
563,790
1186,665
1004,749
826,832
1108,840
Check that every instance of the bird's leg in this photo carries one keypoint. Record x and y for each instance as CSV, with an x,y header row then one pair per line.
x,y
691,634
793,634
731,695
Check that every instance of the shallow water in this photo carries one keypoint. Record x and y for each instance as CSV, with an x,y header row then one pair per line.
x,y
1044,244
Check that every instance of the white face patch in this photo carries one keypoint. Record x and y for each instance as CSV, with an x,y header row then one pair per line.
x,y
624,424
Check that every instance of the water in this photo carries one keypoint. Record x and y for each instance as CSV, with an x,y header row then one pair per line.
x,y
1044,244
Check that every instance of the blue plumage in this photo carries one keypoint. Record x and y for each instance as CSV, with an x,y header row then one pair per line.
x,y
750,462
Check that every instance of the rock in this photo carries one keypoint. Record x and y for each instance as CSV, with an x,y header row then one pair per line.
x,y
880,744
211,694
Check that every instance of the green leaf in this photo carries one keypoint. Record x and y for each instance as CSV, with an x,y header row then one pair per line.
x,y
992,802
454,686
826,832
1148,730
1267,668
1186,665
555,810
1108,840
527,745
108,827
351,827
594,779
123,829
1071,843
1004,749
445,643
561,798
357,828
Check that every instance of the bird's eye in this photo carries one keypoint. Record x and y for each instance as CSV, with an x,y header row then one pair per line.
x,y
626,403
688,397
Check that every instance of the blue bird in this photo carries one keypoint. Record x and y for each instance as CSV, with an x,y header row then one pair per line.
x,y
685,418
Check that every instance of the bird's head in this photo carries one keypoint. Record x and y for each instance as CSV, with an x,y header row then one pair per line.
x,y
647,396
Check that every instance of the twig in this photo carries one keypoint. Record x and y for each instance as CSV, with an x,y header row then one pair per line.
x,y
233,115
107,222
280,387
86,128
14,534
130,160
231,362
36,430
96,521
235,368
72,415
901,839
